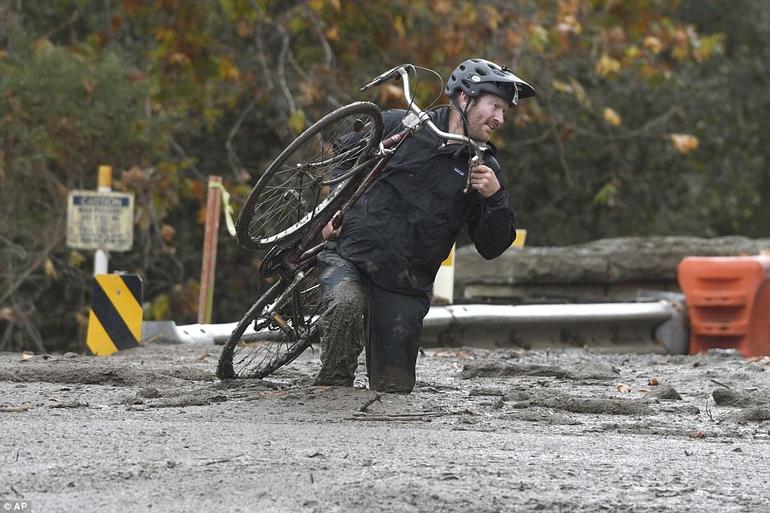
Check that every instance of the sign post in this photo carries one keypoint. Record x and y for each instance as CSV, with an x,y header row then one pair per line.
x,y
210,238
444,284
103,221
104,184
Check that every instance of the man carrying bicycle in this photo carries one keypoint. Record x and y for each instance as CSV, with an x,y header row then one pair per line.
x,y
378,268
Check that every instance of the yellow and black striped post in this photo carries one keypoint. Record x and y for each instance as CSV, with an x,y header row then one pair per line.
x,y
115,321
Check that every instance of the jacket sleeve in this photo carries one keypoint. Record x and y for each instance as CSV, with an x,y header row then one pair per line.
x,y
491,223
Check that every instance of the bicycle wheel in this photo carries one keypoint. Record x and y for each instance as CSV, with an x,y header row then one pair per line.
x,y
302,182
285,323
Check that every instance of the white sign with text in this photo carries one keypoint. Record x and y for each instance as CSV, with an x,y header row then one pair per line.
x,y
100,220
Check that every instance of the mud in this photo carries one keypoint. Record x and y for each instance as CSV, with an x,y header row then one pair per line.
x,y
484,430
502,369
75,369
341,341
730,397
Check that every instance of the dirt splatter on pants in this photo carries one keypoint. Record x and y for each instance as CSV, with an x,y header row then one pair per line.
x,y
357,313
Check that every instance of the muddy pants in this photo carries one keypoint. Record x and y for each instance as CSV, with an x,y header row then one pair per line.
x,y
359,313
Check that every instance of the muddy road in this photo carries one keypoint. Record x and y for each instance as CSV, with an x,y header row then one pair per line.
x,y
151,429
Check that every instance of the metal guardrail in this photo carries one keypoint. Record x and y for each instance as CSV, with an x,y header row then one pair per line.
x,y
659,325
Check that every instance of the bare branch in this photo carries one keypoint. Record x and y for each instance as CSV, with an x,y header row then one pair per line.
x,y
29,327
557,138
297,68
533,140
232,156
66,23
318,30
261,56
5,341
282,68
631,134
53,238
178,148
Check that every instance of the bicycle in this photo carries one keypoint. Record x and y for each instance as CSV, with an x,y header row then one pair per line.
x,y
314,181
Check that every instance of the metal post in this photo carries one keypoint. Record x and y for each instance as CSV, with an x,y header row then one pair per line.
x,y
101,257
209,263
443,285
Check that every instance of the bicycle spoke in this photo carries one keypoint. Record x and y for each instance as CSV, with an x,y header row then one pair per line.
x,y
298,306
293,191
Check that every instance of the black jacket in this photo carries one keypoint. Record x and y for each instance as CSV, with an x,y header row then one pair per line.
x,y
404,226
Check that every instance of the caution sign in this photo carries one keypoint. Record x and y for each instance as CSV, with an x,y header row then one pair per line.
x,y
115,321
100,220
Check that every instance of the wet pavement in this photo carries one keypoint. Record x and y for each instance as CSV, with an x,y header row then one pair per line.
x,y
484,431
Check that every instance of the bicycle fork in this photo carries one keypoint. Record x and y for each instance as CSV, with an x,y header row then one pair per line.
x,y
273,308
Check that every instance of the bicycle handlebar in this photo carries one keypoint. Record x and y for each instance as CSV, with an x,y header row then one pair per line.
x,y
392,73
422,116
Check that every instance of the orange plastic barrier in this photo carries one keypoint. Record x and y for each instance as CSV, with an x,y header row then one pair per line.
x,y
728,302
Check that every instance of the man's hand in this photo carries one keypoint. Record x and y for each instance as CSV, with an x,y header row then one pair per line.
x,y
330,232
483,179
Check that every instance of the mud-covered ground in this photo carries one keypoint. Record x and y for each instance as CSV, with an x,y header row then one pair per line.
x,y
152,430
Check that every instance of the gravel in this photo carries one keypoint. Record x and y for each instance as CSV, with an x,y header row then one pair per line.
x,y
484,431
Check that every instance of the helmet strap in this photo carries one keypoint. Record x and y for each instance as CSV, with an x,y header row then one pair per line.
x,y
463,111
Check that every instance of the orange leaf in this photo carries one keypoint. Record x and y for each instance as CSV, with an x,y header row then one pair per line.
x,y
611,117
653,44
89,85
228,70
50,269
243,29
167,232
178,58
684,143
442,7
513,38
606,65
398,26
76,259
333,33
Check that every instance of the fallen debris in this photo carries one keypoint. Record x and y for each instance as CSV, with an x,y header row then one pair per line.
x,y
730,397
665,392
498,369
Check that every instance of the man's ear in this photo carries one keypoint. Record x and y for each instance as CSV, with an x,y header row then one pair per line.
x,y
466,100
463,100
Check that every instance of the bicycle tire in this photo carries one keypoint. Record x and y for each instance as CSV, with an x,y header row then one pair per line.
x,y
262,352
294,190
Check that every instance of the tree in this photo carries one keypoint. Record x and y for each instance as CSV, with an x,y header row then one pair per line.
x,y
630,133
